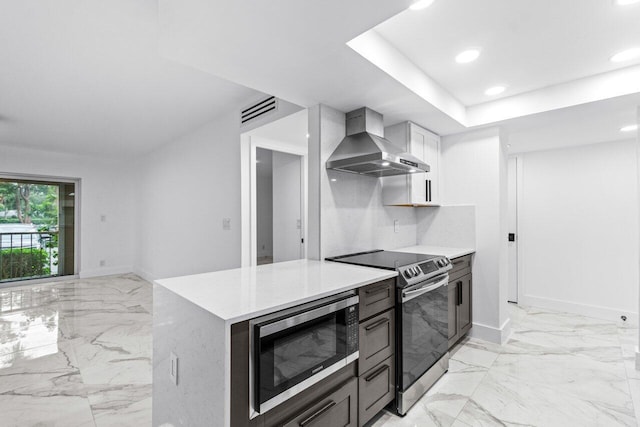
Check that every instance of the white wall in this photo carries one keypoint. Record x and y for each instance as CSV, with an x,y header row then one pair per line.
x,y
185,190
448,226
287,206
474,167
351,215
106,188
264,204
578,218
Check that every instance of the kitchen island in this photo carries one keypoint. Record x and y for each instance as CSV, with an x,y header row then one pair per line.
x,y
192,328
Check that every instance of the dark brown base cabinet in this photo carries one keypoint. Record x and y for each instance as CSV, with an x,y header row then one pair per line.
x,y
460,297
348,398
376,367
339,409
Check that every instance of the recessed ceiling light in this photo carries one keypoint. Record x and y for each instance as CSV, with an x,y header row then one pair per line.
x,y
308,136
333,179
626,55
629,128
421,4
626,2
496,90
385,163
469,55
412,170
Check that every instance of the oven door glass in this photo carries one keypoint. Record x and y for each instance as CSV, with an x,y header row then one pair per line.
x,y
425,331
294,354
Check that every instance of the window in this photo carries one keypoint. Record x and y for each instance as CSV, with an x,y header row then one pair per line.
x,y
37,229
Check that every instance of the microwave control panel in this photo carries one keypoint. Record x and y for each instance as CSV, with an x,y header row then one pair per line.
x,y
352,329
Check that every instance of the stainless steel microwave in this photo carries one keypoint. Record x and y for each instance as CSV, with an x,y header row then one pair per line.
x,y
295,348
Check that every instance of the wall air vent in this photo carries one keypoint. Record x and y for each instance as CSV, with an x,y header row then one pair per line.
x,y
263,107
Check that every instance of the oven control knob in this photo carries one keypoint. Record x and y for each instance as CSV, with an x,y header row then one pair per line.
x,y
441,263
407,274
416,271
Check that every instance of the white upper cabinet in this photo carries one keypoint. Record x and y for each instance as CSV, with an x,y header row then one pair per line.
x,y
420,189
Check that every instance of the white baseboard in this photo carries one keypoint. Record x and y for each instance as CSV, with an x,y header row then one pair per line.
x,y
586,310
84,274
144,274
492,334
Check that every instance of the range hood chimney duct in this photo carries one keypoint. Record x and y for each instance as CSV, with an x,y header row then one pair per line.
x,y
364,150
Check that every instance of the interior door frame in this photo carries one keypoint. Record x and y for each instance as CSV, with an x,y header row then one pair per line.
x,y
248,188
520,288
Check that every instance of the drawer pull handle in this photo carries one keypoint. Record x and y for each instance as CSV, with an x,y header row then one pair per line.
x,y
376,324
317,414
377,373
376,290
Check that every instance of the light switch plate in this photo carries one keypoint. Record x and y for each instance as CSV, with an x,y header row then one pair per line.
x,y
226,223
396,226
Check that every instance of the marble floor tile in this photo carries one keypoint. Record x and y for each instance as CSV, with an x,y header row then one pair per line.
x,y
56,366
78,353
51,411
505,400
121,405
475,353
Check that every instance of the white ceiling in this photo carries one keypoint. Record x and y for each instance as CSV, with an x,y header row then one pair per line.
x,y
85,76
123,77
583,124
525,45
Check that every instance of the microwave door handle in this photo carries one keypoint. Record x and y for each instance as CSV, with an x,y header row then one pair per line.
x,y
409,295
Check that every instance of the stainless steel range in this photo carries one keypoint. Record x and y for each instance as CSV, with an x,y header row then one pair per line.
x,y
421,318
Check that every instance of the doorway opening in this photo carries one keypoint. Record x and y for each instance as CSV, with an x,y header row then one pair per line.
x,y
37,228
279,207
274,191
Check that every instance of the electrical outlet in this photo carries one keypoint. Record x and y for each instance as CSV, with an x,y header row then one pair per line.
x,y
226,223
396,226
173,372
103,218
103,263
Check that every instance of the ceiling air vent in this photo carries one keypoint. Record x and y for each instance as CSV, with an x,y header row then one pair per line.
x,y
260,109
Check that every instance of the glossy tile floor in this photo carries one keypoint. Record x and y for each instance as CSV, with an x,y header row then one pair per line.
x,y
78,353
556,369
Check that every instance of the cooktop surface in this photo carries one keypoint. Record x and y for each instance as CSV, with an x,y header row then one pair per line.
x,y
388,260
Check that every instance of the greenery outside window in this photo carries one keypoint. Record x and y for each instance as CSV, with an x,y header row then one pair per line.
x,y
37,227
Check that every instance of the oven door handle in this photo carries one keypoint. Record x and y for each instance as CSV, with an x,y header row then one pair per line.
x,y
409,295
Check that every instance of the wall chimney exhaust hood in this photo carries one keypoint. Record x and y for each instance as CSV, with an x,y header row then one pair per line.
x,y
365,151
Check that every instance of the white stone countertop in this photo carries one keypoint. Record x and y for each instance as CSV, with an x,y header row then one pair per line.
x,y
437,250
243,293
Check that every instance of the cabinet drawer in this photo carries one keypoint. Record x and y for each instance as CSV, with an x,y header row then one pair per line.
x,y
460,267
377,297
376,340
376,390
338,409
